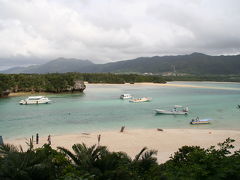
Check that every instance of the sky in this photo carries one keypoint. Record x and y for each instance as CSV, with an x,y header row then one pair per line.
x,y
36,31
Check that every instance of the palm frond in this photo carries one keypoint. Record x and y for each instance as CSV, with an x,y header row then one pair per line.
x,y
69,153
8,148
139,154
149,154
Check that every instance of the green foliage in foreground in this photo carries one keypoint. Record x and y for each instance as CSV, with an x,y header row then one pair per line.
x,y
97,163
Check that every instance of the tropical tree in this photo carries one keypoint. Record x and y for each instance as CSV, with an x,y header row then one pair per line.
x,y
41,163
85,158
193,162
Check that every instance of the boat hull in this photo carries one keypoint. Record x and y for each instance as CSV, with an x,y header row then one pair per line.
x,y
140,100
23,102
201,121
158,111
196,123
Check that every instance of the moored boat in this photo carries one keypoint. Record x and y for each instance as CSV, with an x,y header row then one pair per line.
x,y
174,111
126,96
35,100
143,99
199,121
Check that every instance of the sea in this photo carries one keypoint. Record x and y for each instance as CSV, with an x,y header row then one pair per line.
x,y
99,108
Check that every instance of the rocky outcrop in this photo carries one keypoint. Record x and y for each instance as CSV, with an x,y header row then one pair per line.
x,y
4,93
78,86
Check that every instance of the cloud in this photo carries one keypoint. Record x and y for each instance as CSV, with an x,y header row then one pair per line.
x,y
111,30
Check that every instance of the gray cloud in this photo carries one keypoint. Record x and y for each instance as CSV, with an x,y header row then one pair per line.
x,y
111,30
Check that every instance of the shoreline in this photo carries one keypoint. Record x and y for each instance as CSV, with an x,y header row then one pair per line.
x,y
39,93
172,85
139,84
27,93
131,141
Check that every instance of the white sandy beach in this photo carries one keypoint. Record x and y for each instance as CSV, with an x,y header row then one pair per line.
x,y
135,84
172,84
132,141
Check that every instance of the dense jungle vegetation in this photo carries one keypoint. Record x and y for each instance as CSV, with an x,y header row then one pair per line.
x,y
98,163
61,82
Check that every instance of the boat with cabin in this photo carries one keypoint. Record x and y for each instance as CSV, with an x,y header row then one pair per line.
x,y
143,99
199,121
174,111
35,100
126,96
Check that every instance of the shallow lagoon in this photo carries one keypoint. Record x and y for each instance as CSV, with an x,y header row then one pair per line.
x,y
99,108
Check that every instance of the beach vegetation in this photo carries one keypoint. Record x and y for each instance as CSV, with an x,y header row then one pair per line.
x,y
98,163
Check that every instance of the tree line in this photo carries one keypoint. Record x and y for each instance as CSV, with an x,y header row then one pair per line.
x,y
217,78
98,163
61,82
57,82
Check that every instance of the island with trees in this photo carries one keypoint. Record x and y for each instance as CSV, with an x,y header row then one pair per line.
x,y
65,82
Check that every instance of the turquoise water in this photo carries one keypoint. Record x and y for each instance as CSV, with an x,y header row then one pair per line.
x,y
99,108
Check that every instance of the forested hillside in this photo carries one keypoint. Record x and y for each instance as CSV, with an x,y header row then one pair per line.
x,y
193,64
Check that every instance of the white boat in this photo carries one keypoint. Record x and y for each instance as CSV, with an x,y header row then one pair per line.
x,y
35,100
199,121
126,96
174,111
143,99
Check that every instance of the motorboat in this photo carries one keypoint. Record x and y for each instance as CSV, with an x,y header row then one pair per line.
x,y
174,111
199,121
126,96
143,99
35,100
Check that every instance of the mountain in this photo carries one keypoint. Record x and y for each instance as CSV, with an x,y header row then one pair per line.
x,y
60,65
195,63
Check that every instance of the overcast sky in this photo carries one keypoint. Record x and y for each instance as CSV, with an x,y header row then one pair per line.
x,y
32,31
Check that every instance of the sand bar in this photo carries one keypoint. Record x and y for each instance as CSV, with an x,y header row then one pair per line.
x,y
131,141
135,84
172,85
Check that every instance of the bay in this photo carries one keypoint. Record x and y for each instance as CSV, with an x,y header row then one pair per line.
x,y
99,108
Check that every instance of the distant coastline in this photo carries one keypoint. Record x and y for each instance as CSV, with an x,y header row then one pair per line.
x,y
169,84
16,94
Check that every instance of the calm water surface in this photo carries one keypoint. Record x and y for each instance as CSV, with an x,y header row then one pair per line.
x,y
99,108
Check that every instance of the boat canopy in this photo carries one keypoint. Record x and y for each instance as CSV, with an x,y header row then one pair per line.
x,y
35,97
177,106
204,119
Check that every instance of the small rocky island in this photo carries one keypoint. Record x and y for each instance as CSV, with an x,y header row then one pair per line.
x,y
78,86
37,83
